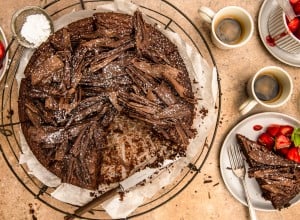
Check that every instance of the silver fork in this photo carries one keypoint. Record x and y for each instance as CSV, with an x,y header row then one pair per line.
x,y
238,168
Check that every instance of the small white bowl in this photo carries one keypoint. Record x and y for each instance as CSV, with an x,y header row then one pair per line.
x,y
5,61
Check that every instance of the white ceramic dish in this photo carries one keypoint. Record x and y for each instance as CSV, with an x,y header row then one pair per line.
x,y
245,127
5,61
283,56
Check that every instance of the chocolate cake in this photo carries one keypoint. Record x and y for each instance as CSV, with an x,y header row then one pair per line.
x,y
105,97
278,178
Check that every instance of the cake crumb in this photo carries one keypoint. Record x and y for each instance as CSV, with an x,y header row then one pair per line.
x,y
207,181
216,184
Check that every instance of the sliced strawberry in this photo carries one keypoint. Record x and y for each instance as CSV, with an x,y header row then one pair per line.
x,y
267,140
273,129
283,151
282,141
294,154
294,25
286,130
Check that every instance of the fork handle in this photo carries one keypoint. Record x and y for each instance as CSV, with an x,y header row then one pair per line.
x,y
250,206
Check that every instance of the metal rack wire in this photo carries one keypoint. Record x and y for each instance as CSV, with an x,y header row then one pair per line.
x,y
166,15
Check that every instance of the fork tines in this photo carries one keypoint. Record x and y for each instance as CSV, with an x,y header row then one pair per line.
x,y
235,156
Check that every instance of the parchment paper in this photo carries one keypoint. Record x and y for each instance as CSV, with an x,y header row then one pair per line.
x,y
206,90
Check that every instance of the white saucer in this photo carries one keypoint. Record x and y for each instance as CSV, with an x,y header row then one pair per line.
x,y
264,13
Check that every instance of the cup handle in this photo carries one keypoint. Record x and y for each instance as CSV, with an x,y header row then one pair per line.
x,y
247,106
206,14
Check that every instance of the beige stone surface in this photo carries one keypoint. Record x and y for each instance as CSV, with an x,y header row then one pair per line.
x,y
199,200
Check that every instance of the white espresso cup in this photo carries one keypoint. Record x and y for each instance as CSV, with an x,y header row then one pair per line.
x,y
231,27
270,87
280,35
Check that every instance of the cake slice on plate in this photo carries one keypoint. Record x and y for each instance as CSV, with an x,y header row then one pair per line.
x,y
278,178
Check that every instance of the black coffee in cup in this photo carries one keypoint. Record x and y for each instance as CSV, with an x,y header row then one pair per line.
x,y
229,31
267,88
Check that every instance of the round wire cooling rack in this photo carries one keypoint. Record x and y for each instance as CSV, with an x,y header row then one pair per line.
x,y
167,16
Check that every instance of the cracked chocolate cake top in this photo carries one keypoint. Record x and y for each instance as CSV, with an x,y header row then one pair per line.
x,y
104,97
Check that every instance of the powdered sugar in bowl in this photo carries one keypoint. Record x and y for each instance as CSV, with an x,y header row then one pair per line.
x,y
31,26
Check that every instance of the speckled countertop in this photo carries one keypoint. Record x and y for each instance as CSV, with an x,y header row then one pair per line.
x,y
202,199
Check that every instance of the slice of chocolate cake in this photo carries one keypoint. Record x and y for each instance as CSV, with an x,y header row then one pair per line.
x,y
278,178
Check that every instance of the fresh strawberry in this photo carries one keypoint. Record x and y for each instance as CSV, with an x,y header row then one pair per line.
x,y
267,140
283,151
293,2
296,8
273,129
2,51
294,154
286,130
294,25
297,34
282,141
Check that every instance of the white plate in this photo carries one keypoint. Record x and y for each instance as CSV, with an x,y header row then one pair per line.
x,y
245,127
5,61
264,13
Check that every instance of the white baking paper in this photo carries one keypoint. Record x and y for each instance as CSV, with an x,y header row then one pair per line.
x,y
206,91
